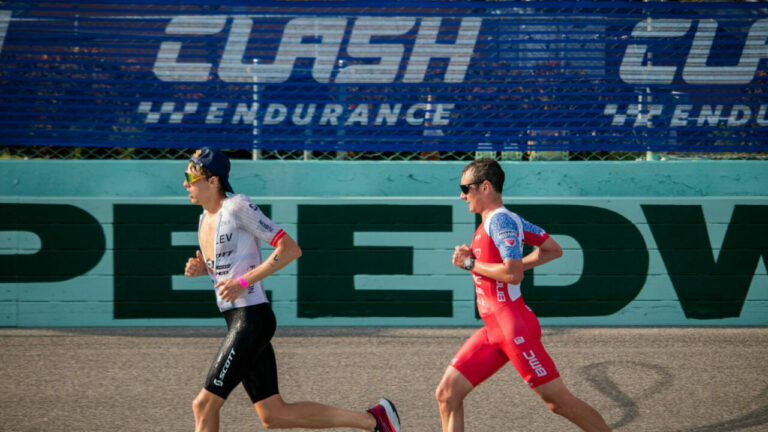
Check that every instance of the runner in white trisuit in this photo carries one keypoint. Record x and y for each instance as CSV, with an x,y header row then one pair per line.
x,y
240,227
230,232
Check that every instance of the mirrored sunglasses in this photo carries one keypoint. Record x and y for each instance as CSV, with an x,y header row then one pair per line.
x,y
191,178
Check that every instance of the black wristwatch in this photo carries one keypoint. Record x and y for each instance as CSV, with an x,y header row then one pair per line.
x,y
469,263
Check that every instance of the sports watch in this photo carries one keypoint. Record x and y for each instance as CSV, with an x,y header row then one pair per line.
x,y
469,263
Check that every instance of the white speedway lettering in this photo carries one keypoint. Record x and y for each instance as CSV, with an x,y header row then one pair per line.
x,y
695,71
384,114
687,115
320,38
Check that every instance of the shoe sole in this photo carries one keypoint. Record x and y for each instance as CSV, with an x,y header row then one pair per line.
x,y
394,418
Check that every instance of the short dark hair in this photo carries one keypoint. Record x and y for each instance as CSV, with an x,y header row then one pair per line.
x,y
487,169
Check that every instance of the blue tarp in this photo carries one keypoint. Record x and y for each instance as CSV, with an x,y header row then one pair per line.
x,y
408,76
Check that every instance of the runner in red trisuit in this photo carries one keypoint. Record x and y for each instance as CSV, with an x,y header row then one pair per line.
x,y
511,332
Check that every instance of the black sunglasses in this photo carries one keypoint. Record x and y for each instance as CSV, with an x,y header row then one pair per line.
x,y
465,187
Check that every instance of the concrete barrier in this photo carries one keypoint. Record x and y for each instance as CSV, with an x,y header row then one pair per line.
x,y
103,243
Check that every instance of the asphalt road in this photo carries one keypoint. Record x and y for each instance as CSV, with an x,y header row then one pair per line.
x,y
144,379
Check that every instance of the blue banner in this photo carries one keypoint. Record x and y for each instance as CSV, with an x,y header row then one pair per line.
x,y
408,76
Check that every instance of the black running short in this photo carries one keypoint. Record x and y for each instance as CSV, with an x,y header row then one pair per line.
x,y
246,355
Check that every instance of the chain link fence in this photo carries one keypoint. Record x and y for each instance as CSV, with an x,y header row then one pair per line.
x,y
112,153
518,81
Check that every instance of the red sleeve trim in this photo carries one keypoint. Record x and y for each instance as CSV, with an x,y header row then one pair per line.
x,y
280,234
535,239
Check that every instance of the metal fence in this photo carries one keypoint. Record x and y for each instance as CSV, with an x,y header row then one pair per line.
x,y
107,153
411,80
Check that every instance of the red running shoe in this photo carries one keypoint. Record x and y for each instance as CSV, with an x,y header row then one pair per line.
x,y
387,419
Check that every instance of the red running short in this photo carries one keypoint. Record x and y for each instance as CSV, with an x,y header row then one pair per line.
x,y
511,333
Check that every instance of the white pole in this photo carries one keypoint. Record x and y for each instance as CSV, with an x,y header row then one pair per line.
x,y
256,153
343,93
649,155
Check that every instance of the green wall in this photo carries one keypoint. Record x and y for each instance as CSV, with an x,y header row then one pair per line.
x,y
101,243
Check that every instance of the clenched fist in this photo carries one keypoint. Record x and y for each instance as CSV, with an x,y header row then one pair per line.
x,y
461,253
195,266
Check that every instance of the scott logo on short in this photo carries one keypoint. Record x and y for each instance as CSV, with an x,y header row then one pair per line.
x,y
220,380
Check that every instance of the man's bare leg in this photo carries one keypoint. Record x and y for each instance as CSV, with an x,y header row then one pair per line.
x,y
274,412
206,407
561,401
450,394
